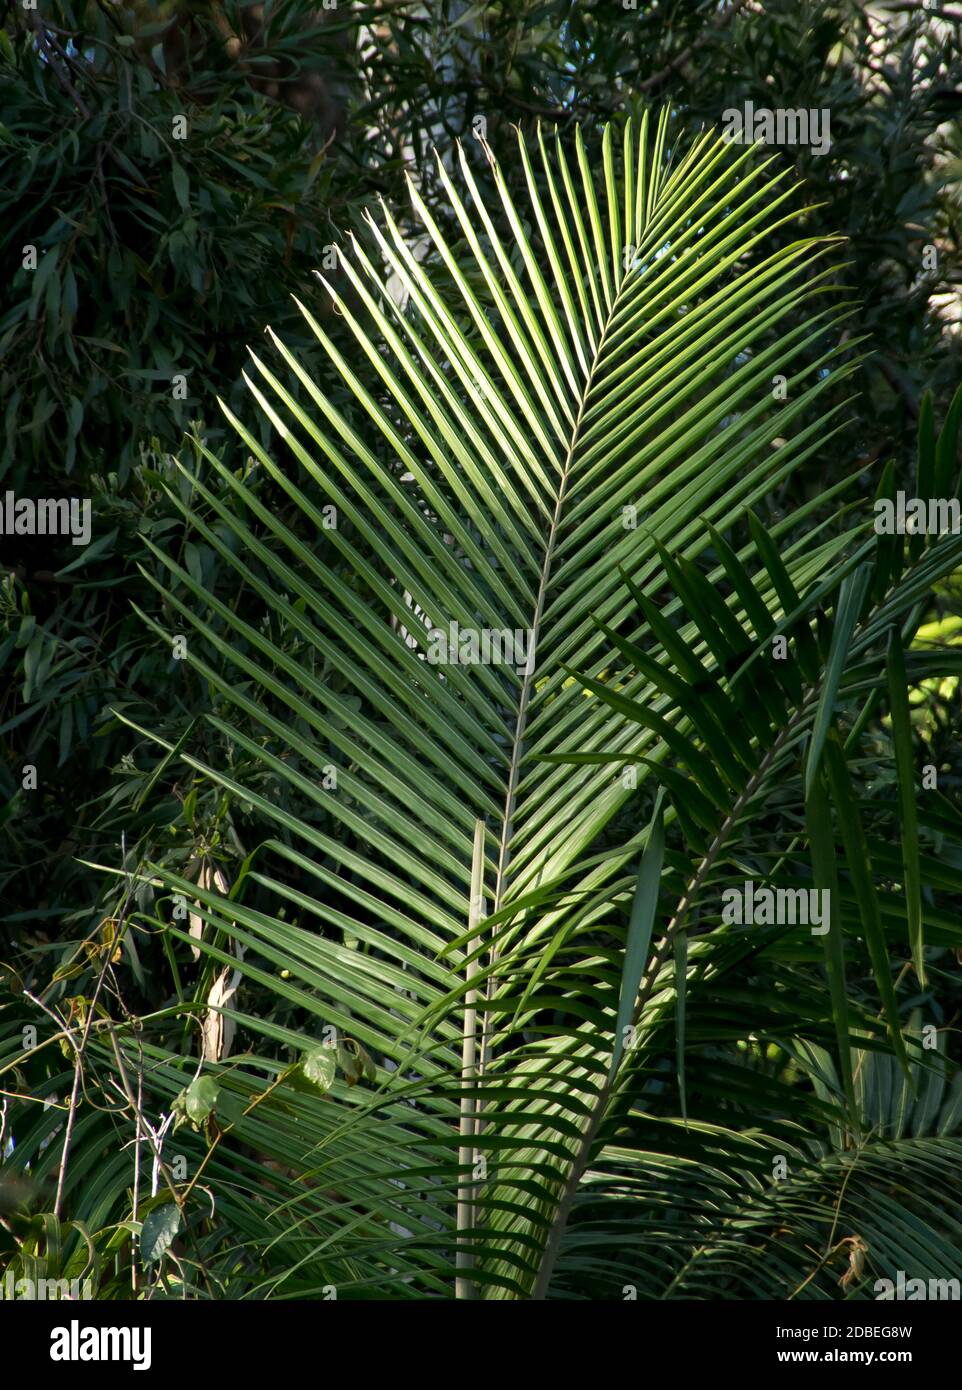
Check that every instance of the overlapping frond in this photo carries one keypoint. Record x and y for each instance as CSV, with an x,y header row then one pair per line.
x,y
527,470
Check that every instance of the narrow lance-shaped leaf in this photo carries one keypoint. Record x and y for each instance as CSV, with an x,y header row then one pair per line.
x,y
905,767
947,445
860,868
643,909
681,997
818,813
850,600
925,469
889,546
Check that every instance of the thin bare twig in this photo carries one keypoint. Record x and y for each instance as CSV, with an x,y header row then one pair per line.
x,y
79,1049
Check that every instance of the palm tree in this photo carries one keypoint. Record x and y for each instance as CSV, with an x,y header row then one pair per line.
x,y
557,1070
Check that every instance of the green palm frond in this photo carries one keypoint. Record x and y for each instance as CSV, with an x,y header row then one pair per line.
x,y
551,447
590,382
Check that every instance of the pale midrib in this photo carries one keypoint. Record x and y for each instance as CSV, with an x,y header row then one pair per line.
x,y
517,749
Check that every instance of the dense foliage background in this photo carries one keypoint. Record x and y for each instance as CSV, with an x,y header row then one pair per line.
x,y
180,168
